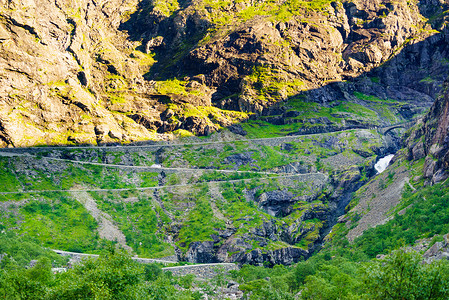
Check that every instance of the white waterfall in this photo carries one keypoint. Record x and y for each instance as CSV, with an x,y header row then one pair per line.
x,y
383,163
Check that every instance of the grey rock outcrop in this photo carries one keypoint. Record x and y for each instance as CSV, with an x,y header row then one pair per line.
x,y
201,252
430,140
437,251
276,203
250,247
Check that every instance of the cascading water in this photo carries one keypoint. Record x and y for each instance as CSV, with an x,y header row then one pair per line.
x,y
383,163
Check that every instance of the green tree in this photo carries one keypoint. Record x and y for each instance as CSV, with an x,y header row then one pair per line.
x,y
403,276
152,272
19,283
111,276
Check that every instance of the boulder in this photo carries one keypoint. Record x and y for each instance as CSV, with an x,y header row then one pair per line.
x,y
201,252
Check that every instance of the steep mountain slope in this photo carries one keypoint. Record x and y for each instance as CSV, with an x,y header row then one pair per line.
x,y
73,72
431,141
406,185
261,192
250,201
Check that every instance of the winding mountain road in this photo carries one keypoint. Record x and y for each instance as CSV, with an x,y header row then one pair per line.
x,y
149,168
325,176
199,270
169,144
79,256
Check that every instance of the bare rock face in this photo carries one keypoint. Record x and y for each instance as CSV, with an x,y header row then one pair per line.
x,y
227,246
69,68
201,252
430,140
436,145
276,203
55,69
349,39
70,75
212,252
263,61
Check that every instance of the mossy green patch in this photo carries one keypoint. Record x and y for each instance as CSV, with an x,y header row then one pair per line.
x,y
212,115
200,222
173,86
218,11
139,219
8,181
243,213
166,7
58,222
270,86
149,179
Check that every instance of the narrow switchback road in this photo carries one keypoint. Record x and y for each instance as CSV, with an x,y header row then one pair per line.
x,y
200,270
324,176
149,168
159,144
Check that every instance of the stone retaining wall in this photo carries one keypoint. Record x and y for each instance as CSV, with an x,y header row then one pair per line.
x,y
78,257
202,271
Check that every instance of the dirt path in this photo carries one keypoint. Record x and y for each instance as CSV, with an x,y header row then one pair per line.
x,y
214,192
106,228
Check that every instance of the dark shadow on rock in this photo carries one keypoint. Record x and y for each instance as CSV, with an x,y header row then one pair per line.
x,y
169,37
413,77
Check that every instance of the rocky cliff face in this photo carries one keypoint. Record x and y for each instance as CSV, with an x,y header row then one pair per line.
x,y
254,64
89,72
430,141
436,146
342,41
59,60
